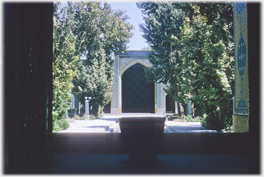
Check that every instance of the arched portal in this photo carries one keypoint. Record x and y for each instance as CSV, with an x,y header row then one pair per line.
x,y
137,92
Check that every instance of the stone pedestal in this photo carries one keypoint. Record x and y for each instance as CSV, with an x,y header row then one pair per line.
x,y
240,123
189,108
141,136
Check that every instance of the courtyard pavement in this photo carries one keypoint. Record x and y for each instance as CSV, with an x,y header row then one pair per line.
x,y
186,127
109,124
102,125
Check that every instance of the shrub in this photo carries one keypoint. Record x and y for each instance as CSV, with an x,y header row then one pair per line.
x,y
60,124
190,119
77,117
64,124
91,117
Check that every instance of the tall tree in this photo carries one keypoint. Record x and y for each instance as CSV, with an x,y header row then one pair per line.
x,y
100,31
193,46
163,24
64,60
207,54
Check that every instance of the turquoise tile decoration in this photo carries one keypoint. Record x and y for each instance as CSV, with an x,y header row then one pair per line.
x,y
159,95
116,81
240,101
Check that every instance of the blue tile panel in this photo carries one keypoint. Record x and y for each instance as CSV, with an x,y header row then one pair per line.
x,y
240,101
116,81
159,95
134,53
234,20
240,7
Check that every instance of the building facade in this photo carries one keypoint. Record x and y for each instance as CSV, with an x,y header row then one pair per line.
x,y
131,92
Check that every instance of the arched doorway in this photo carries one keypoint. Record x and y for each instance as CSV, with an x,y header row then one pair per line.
x,y
137,92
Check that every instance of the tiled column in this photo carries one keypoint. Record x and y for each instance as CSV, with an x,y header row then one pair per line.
x,y
241,97
115,103
160,99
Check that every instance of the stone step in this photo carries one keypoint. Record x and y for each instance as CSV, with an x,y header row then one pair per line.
x,y
113,128
168,129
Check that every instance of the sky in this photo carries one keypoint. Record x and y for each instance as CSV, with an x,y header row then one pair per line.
x,y
137,42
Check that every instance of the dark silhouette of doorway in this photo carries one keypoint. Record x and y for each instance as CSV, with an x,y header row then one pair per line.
x,y
137,92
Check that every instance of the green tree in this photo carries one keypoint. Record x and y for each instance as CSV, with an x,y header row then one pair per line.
x,y
100,31
208,61
193,44
163,24
146,48
64,60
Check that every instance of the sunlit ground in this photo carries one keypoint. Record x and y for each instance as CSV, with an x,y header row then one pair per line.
x,y
110,124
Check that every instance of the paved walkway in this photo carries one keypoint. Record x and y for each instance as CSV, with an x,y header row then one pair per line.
x,y
186,127
109,124
102,125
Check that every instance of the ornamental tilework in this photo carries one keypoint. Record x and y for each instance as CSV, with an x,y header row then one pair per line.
x,y
163,95
239,8
159,95
113,96
116,82
137,92
241,96
126,62
122,63
134,53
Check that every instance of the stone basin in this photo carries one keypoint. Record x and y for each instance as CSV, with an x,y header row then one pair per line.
x,y
141,135
142,125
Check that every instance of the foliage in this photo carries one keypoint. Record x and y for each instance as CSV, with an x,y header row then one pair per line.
x,y
91,117
163,20
60,124
146,48
77,117
63,64
193,44
208,61
190,119
176,115
100,31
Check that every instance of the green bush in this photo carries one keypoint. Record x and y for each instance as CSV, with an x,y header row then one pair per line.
x,y
190,119
91,117
60,124
213,121
64,124
181,117
77,117
175,115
